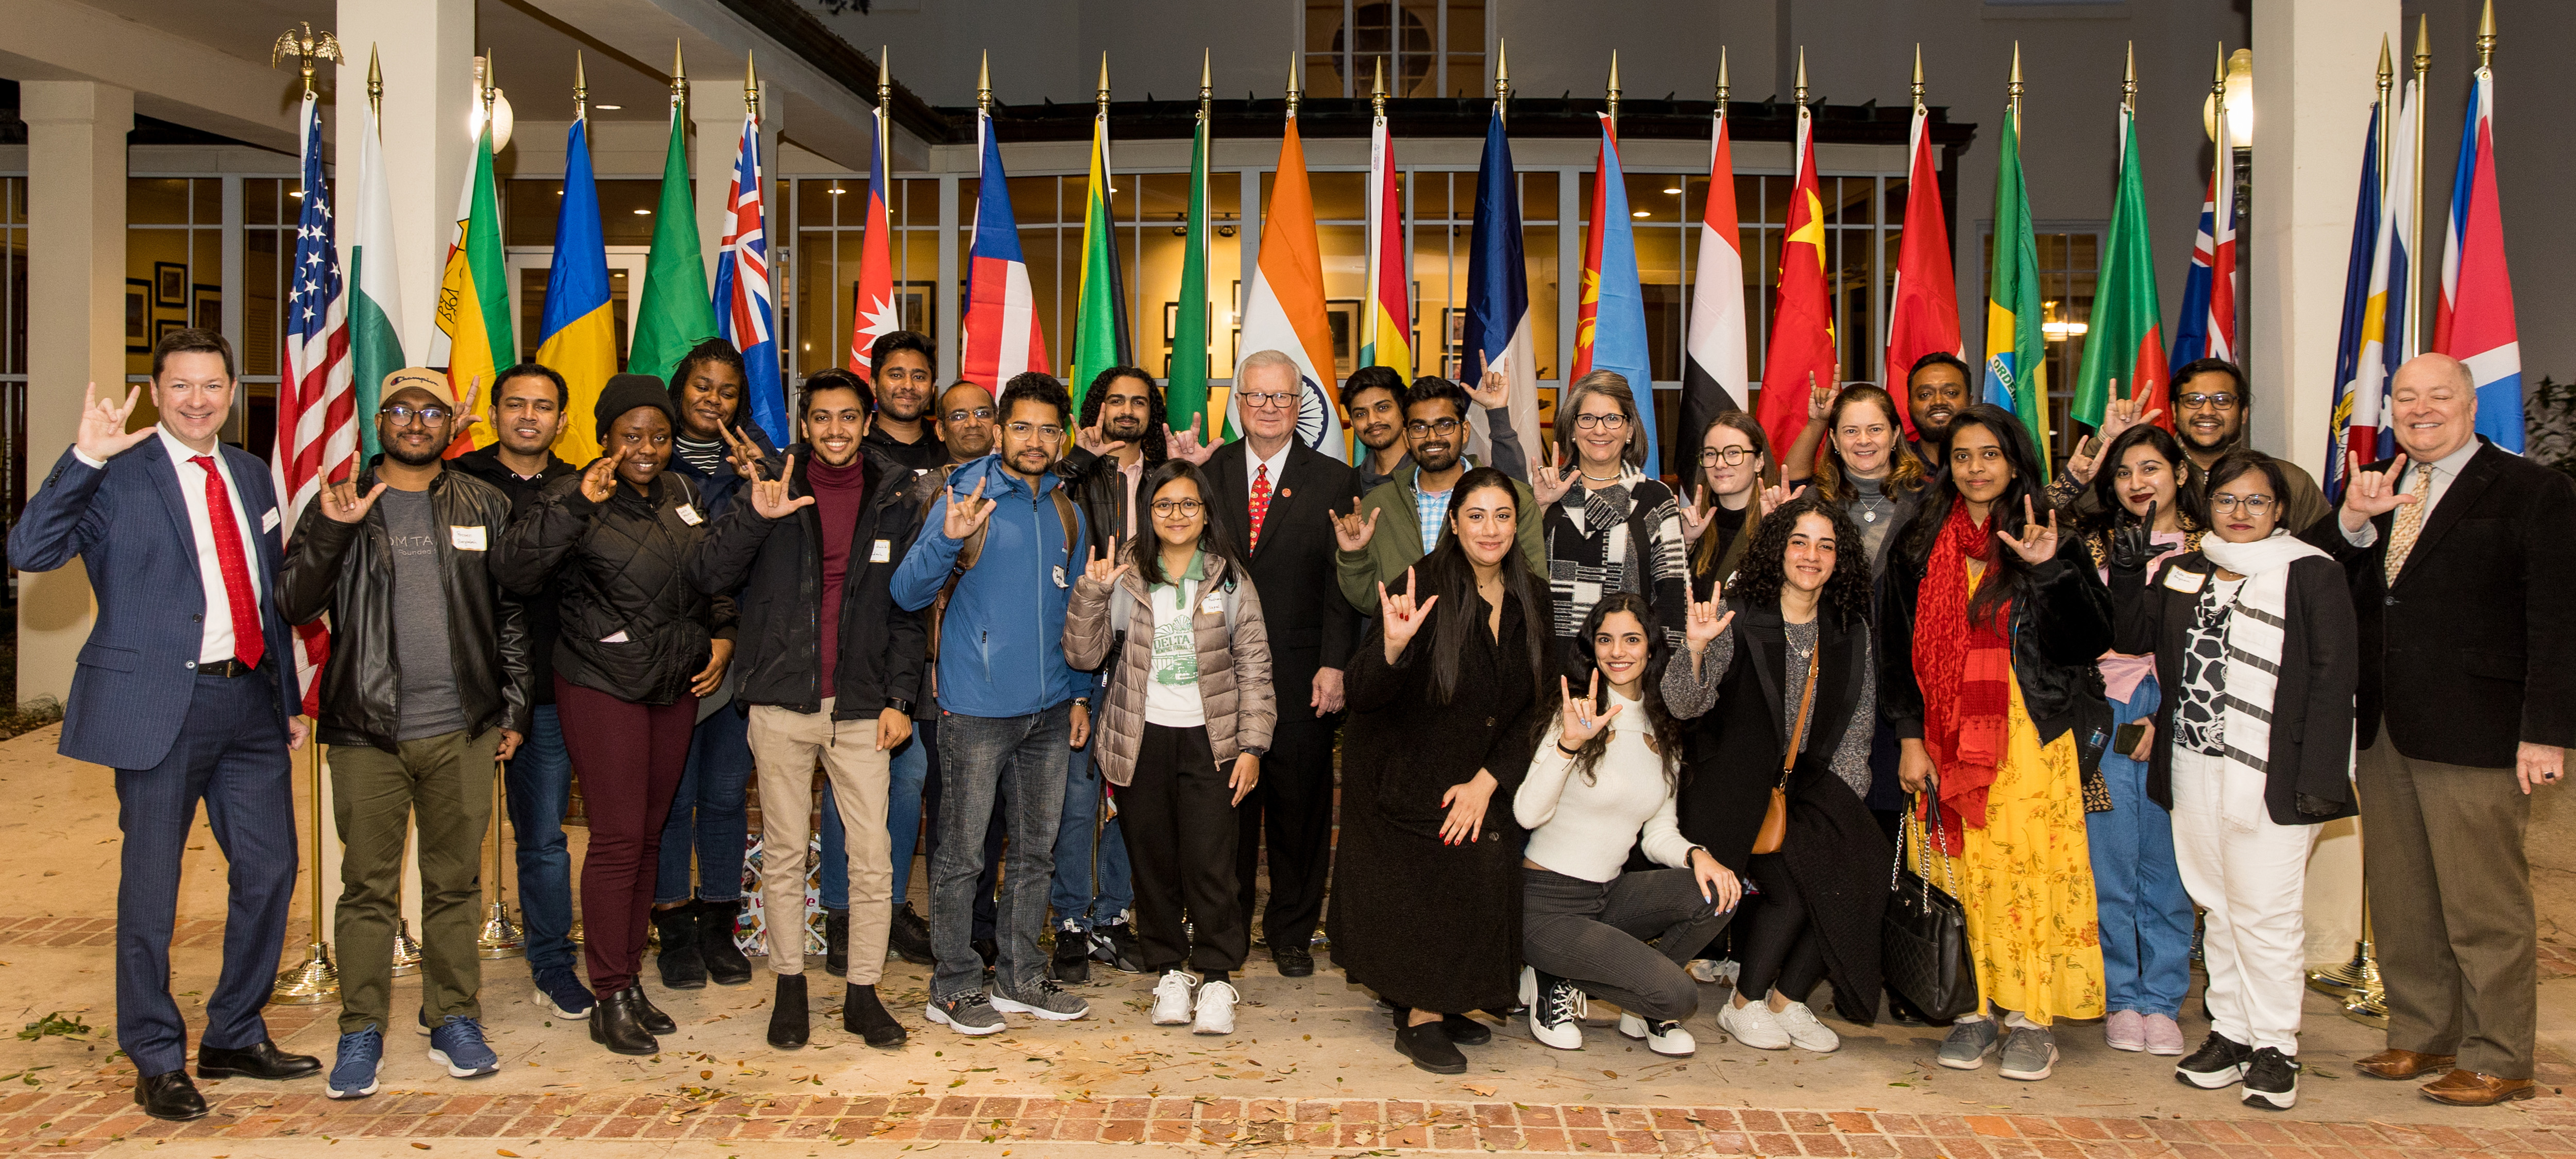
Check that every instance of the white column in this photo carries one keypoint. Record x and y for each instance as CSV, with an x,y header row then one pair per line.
x,y
76,260
426,49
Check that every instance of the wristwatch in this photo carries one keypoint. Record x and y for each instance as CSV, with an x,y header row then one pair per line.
x,y
1083,703
899,704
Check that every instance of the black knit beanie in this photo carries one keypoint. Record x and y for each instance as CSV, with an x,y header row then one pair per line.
x,y
626,392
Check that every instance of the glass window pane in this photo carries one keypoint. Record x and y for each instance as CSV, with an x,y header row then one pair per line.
x,y
619,221
1538,196
156,201
1466,32
816,197
528,209
1033,200
260,196
261,257
1338,196
209,197
1539,248
1431,194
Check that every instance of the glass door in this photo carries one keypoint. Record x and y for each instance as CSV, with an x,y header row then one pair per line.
x,y
528,268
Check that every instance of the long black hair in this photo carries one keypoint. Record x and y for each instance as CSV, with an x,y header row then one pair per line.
x,y
1093,399
2007,577
1448,574
2113,514
1759,578
1145,548
1666,731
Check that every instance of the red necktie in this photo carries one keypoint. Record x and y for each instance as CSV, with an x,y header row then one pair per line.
x,y
248,644
1260,499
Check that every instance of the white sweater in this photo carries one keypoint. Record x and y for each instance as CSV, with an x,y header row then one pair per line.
x,y
1585,830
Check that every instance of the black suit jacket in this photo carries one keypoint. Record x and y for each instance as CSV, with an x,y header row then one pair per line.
x,y
2467,654
1311,625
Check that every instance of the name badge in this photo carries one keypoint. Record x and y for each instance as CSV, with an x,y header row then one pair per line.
x,y
2185,582
466,538
882,552
1059,575
616,637
268,522
1212,604
690,516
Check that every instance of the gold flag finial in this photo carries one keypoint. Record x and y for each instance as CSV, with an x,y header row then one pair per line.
x,y
1802,76
885,75
1293,92
306,47
1918,74
2387,63
679,76
580,89
2012,88
491,90
750,87
1100,96
1502,72
2486,36
2129,80
2218,77
1721,80
984,84
1207,87
375,83
2423,45
1377,91
1614,88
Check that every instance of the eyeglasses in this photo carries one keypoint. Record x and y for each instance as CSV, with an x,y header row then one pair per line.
x,y
403,415
1181,507
2252,504
981,414
1435,426
1731,456
1264,399
1601,422
2220,401
1044,431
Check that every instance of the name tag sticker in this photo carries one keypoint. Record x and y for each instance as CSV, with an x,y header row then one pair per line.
x,y
268,522
881,552
616,637
466,538
1212,604
2185,582
1059,575
690,516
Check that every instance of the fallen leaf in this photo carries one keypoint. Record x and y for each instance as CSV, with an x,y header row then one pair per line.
x,y
420,1146
507,1154
1488,1092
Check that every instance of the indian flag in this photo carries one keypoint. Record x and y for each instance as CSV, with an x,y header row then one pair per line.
x,y
375,342
1284,308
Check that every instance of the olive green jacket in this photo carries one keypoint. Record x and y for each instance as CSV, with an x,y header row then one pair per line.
x,y
1397,543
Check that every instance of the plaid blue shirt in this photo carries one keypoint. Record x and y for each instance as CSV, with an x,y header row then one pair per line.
x,y
1430,507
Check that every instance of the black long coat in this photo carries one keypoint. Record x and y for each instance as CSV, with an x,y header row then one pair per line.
x,y
1432,926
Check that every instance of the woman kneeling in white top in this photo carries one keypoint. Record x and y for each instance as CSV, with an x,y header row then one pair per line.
x,y
1603,783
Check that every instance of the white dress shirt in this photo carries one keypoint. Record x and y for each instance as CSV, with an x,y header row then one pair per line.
x,y
1277,463
2445,469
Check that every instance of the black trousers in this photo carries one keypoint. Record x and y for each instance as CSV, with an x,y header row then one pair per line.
x,y
1181,843
1293,807
1594,934
1779,951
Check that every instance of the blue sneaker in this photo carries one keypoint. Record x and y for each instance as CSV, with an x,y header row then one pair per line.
x,y
362,1054
458,1045
560,993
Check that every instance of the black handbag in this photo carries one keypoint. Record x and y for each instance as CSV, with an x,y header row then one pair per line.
x,y
1923,936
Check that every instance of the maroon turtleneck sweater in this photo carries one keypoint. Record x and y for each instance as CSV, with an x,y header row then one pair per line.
x,y
838,494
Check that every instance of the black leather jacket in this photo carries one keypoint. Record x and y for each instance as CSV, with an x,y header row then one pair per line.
x,y
1100,488
347,570
633,625
775,569
2056,639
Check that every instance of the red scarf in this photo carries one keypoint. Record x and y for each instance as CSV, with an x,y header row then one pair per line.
x,y
1965,670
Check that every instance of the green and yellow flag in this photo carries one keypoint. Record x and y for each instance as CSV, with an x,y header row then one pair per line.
x,y
473,340
2016,351
675,311
1100,309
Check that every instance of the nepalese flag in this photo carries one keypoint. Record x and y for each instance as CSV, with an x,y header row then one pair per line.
x,y
2356,305
2207,328
317,435
876,314
743,315
1002,337
2473,322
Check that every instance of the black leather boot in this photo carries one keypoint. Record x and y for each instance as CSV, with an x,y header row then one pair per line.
x,y
909,937
863,1015
682,965
789,1025
836,942
617,1022
1071,962
654,1019
724,961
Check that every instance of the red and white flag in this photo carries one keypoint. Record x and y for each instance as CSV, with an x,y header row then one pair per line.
x,y
317,431
2474,320
875,315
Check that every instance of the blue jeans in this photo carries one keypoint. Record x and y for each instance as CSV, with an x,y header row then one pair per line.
x,y
982,758
2146,915
909,770
711,802
538,789
1079,900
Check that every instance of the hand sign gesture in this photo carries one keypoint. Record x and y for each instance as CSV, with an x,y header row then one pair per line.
x,y
2036,544
1580,723
2134,544
1707,620
600,480
341,502
1551,480
1185,445
2373,493
965,514
1820,399
102,425
1352,533
769,496
1402,615
1772,497
1104,570
742,453
1492,390
1696,516
2087,455
2122,413
1089,439
468,414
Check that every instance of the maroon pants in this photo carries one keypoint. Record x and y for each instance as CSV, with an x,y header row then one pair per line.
x,y
627,758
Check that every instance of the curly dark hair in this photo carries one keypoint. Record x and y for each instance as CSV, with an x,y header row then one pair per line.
x,y
1156,450
1846,594
1667,732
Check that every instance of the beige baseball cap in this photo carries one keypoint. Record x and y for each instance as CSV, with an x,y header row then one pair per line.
x,y
419,378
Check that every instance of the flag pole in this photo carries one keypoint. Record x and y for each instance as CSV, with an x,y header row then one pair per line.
x,y
1614,93
1502,80
2423,63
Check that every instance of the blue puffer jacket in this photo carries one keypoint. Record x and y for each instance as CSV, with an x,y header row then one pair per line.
x,y
1001,640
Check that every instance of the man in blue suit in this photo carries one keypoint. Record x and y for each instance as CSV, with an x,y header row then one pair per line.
x,y
186,688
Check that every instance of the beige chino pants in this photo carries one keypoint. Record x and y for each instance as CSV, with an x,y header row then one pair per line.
x,y
785,747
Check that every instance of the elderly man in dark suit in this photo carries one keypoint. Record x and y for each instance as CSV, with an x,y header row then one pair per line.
x,y
2457,553
187,689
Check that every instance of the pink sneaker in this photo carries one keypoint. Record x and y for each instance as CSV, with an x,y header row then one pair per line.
x,y
2164,1035
2125,1030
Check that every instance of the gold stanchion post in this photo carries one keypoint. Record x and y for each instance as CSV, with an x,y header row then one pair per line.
x,y
501,937
314,980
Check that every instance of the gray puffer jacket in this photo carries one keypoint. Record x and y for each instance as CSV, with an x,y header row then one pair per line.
x,y
1234,670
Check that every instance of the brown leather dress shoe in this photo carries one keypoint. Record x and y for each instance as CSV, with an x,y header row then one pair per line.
x,y
2468,1088
2403,1064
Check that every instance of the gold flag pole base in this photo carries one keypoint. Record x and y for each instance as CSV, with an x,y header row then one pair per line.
x,y
2369,1003
501,937
406,949
311,982
2345,979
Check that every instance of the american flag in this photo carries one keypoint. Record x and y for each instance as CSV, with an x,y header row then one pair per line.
x,y
742,287
317,435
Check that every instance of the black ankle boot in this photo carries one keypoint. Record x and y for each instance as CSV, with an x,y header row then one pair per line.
x,y
863,1015
654,1019
788,1022
1429,1047
836,942
909,937
683,966
724,961
1071,962
617,1022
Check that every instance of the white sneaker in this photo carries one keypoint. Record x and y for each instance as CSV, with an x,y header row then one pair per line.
x,y
1216,1009
1666,1038
1800,1024
1172,999
1556,1010
1752,1025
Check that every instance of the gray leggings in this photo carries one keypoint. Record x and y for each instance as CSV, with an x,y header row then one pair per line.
x,y
1594,934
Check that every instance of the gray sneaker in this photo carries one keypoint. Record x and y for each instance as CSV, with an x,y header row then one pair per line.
x,y
968,1013
1965,1049
1048,1001
2029,1053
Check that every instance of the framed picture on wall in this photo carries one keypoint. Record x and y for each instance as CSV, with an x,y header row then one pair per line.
x,y
912,304
1343,315
164,328
169,284
206,307
138,316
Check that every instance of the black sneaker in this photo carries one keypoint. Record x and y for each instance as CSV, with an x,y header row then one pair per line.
x,y
836,942
1116,945
1071,961
970,1013
909,937
2218,1064
2272,1080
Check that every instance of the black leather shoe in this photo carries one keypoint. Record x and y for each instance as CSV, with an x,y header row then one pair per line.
x,y
682,964
789,1024
1429,1047
1071,962
836,942
1465,1031
617,1022
909,937
863,1015
726,964
1293,961
169,1095
654,1019
259,1060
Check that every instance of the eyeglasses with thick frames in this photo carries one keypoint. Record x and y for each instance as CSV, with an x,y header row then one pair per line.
x,y
1264,399
2220,401
1731,456
2252,504
1436,426
1042,430
979,414
403,415
1184,508
1615,422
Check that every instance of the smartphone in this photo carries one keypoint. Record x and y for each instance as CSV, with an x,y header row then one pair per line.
x,y
2125,740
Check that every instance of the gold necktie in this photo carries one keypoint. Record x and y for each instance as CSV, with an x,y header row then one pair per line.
x,y
2410,521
